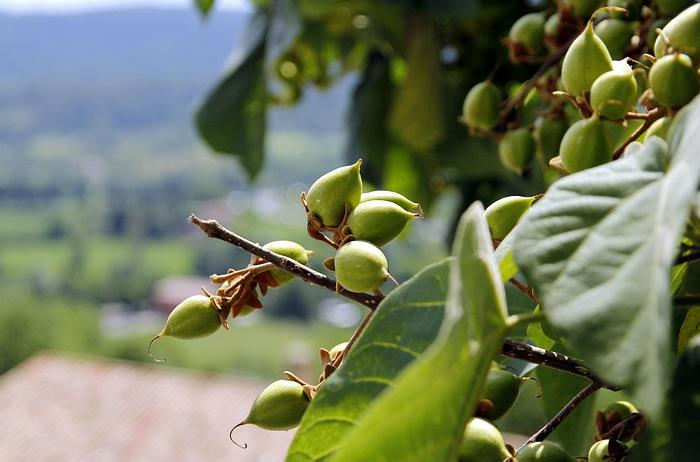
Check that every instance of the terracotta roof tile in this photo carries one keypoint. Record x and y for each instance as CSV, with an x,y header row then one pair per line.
x,y
65,408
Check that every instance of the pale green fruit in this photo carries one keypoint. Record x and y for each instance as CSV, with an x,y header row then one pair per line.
x,y
548,134
482,105
291,250
334,352
599,452
516,149
280,406
673,81
585,61
585,145
543,452
360,266
659,128
482,443
683,33
501,388
624,409
378,221
329,195
583,8
616,35
194,317
504,214
528,31
391,196
614,93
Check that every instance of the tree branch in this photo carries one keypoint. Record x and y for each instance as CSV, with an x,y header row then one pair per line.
x,y
511,348
550,426
652,116
213,229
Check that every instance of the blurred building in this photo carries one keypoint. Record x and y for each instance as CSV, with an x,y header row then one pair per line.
x,y
170,291
55,407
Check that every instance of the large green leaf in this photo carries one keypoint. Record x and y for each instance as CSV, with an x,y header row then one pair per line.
x,y
598,249
674,437
422,417
232,117
406,323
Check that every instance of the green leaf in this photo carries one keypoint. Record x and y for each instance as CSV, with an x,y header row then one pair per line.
x,y
674,437
405,324
535,332
598,249
204,6
232,117
575,433
422,417
420,129
505,260
689,328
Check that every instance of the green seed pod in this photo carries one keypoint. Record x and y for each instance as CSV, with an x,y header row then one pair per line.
x,y
543,452
585,145
599,452
585,61
616,35
482,105
378,221
528,31
623,409
291,250
633,8
391,196
659,128
673,81
504,214
329,194
482,443
194,317
551,26
548,134
583,8
280,406
533,105
516,149
360,266
614,93
337,350
683,33
672,7
501,388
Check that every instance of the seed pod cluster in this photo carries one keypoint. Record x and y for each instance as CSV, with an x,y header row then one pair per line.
x,y
601,83
369,220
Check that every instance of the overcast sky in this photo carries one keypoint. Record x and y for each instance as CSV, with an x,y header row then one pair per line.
x,y
72,6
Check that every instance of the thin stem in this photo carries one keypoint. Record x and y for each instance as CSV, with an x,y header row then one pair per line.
x,y
652,116
510,348
526,290
550,426
532,354
355,335
214,230
526,318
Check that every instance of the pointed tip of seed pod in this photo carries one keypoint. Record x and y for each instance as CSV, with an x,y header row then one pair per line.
x,y
309,252
357,164
230,434
150,344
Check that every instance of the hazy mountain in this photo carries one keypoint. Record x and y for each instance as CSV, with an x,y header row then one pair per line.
x,y
97,74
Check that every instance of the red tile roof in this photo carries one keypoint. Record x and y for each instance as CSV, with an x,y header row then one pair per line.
x,y
58,408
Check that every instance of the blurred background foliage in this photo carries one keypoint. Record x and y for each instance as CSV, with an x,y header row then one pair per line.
x,y
413,60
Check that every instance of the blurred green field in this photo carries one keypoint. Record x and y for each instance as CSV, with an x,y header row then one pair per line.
x,y
261,348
